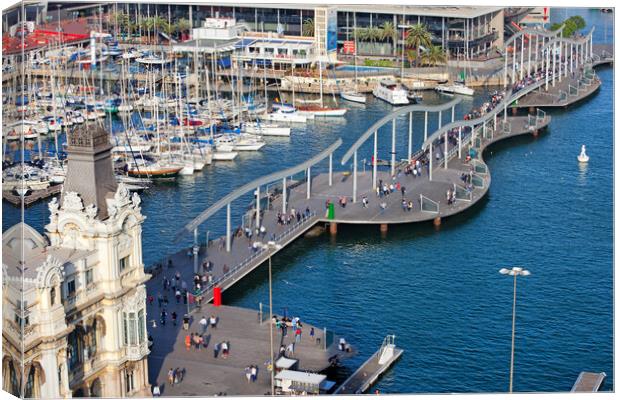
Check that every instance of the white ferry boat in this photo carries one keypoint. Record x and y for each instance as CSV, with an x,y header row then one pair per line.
x,y
391,91
456,88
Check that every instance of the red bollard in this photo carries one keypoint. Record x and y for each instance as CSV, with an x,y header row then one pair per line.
x,y
217,296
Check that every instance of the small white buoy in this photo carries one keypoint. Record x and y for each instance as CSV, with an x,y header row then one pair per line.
x,y
583,157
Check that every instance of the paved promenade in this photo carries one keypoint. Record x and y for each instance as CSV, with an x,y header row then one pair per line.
x,y
248,345
228,267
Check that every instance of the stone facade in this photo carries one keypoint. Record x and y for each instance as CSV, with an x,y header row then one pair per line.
x,y
74,300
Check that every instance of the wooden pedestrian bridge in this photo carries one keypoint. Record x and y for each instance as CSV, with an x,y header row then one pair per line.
x,y
451,160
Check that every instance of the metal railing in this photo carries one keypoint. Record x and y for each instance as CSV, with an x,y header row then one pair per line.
x,y
428,205
306,220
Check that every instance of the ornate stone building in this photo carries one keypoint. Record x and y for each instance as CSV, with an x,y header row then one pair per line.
x,y
74,312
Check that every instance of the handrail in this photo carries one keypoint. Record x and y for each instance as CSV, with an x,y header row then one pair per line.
x,y
508,99
399,111
259,252
193,224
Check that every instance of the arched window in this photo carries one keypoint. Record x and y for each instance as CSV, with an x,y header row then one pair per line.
x,y
29,390
13,381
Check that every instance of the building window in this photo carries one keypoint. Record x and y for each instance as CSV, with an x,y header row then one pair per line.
x,y
18,320
89,276
52,296
141,326
123,263
133,328
129,381
71,288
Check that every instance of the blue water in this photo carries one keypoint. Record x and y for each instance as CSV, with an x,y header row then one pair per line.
x,y
439,291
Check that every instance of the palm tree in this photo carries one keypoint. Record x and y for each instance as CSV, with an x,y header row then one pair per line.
x,y
434,55
417,36
308,27
388,31
183,25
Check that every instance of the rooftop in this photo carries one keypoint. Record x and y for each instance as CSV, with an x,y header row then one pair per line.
x,y
431,11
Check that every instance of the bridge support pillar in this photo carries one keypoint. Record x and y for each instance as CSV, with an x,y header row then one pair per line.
x,y
374,163
284,195
330,168
195,250
383,228
393,147
445,151
425,125
333,228
228,228
354,199
258,207
410,142
430,162
439,120
452,117
437,221
308,183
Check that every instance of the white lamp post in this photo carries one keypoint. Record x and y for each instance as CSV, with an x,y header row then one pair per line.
x,y
270,246
515,271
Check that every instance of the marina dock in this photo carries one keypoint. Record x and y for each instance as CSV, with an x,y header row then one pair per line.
x,y
33,197
588,382
369,372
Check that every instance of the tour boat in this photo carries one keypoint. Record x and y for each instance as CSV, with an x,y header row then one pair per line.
x,y
456,88
354,96
583,157
266,129
390,91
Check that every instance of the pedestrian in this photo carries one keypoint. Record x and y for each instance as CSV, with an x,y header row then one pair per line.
x,y
216,350
213,322
290,349
177,294
253,372
171,377
298,335
156,392
197,338
248,373
174,318
176,375
203,323
163,317
160,299
151,300
312,334
224,349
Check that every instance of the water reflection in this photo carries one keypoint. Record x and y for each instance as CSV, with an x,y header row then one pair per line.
x,y
583,172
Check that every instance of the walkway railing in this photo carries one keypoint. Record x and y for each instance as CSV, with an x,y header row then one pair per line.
x,y
428,205
259,252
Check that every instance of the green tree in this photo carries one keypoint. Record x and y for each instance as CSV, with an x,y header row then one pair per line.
x,y
307,27
183,25
417,36
434,55
388,32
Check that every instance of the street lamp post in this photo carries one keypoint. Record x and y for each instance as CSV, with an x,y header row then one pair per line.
x,y
270,246
515,271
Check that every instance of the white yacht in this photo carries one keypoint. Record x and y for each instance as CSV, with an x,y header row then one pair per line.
x,y
287,115
456,88
267,129
391,91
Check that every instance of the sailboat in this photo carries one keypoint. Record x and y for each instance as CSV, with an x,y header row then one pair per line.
x,y
319,110
354,95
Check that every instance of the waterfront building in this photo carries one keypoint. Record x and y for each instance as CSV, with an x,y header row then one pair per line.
x,y
462,30
74,313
